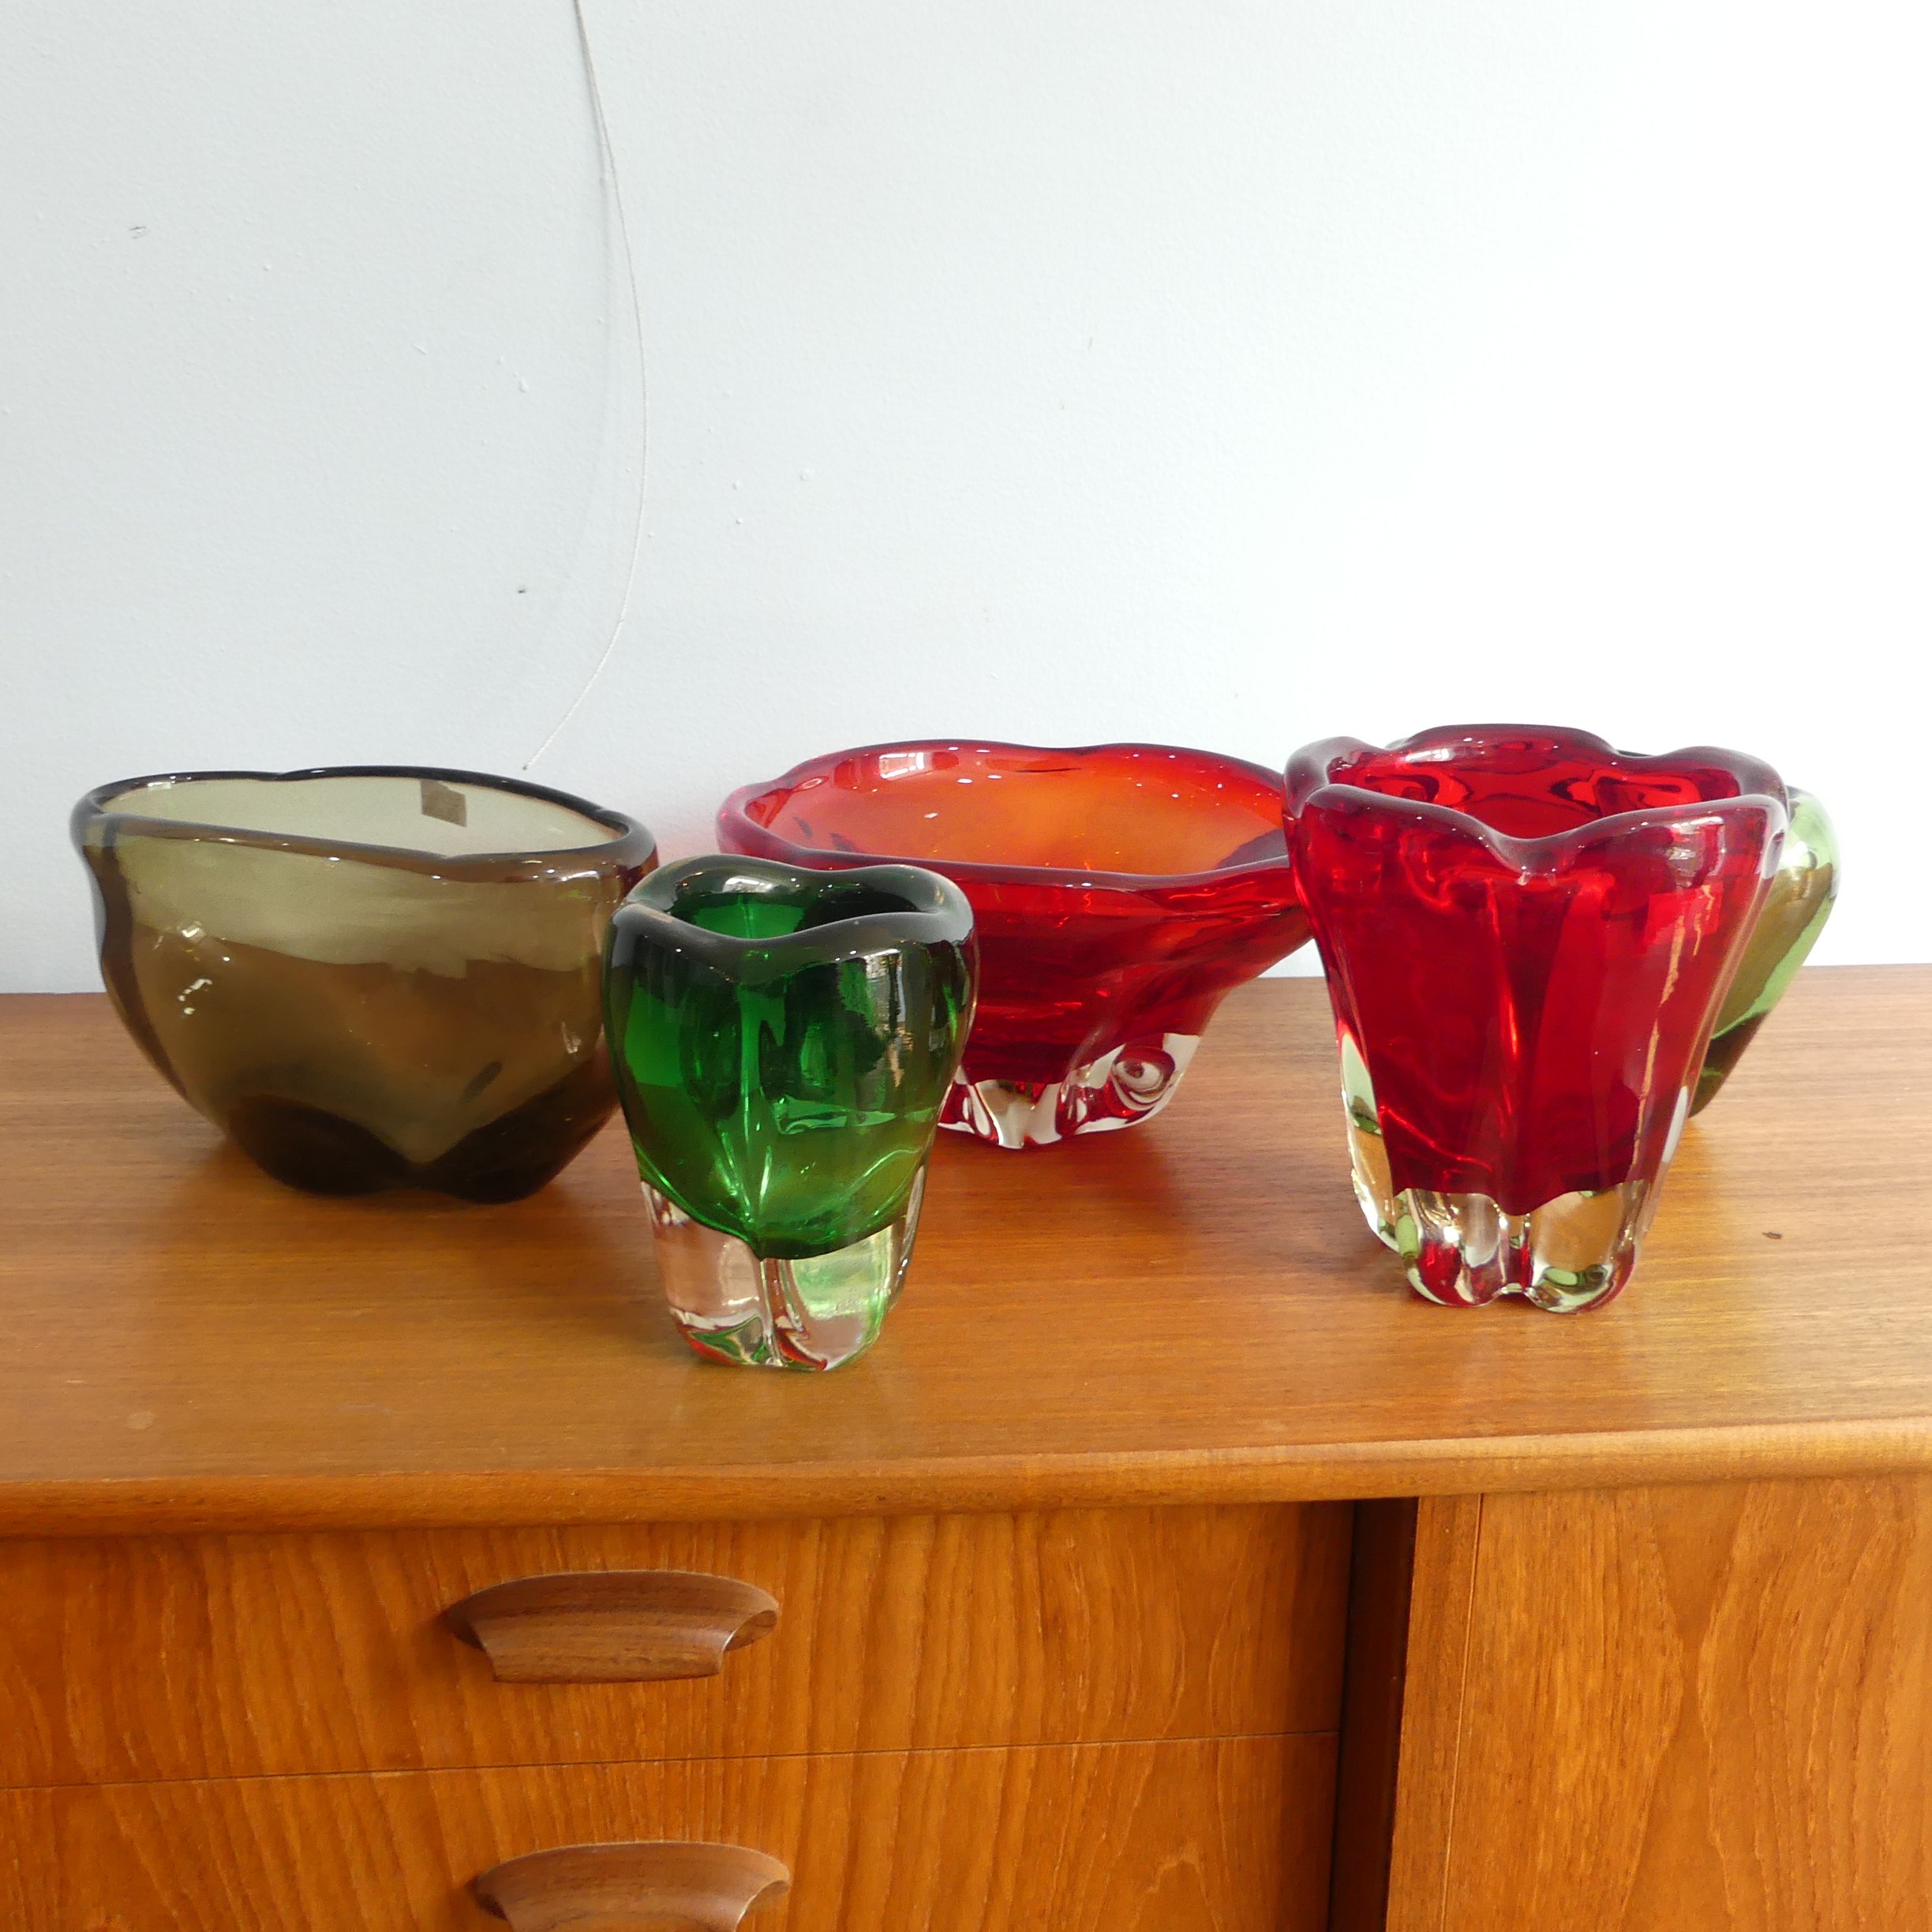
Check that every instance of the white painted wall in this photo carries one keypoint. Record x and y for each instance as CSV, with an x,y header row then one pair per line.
x,y
1231,374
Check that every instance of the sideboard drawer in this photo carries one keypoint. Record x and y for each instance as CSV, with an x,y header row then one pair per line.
x,y
218,1656
1202,1836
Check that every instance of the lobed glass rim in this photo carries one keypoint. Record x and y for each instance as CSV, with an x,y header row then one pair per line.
x,y
936,913
1305,783
634,844
734,820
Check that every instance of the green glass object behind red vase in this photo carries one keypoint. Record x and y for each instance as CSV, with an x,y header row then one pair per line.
x,y
784,1040
1802,892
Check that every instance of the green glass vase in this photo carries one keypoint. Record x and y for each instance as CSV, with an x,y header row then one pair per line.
x,y
784,1040
1802,892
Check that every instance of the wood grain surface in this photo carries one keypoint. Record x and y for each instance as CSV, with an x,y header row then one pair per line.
x,y
1381,1573
1442,1582
216,1657
1195,1837
1192,1310
1695,1706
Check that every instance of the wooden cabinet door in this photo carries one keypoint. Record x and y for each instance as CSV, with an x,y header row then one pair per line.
x,y
1696,1709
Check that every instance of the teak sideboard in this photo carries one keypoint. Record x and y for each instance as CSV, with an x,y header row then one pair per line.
x,y
1167,1568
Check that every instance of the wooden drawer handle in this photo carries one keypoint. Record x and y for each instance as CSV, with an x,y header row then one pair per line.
x,y
612,1626
671,1886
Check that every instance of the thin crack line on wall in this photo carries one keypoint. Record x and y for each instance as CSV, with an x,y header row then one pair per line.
x,y
613,205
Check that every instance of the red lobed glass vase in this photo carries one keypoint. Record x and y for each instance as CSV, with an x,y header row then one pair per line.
x,y
1118,891
1527,936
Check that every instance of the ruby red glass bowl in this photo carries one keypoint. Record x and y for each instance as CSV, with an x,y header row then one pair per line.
x,y
1527,935
1119,891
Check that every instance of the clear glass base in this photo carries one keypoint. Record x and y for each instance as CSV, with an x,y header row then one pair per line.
x,y
817,1312
1128,1084
1573,1252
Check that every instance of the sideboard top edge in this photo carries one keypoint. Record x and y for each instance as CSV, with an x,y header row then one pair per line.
x,y
1342,1472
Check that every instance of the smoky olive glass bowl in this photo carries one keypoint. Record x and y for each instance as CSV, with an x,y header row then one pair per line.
x,y
368,977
